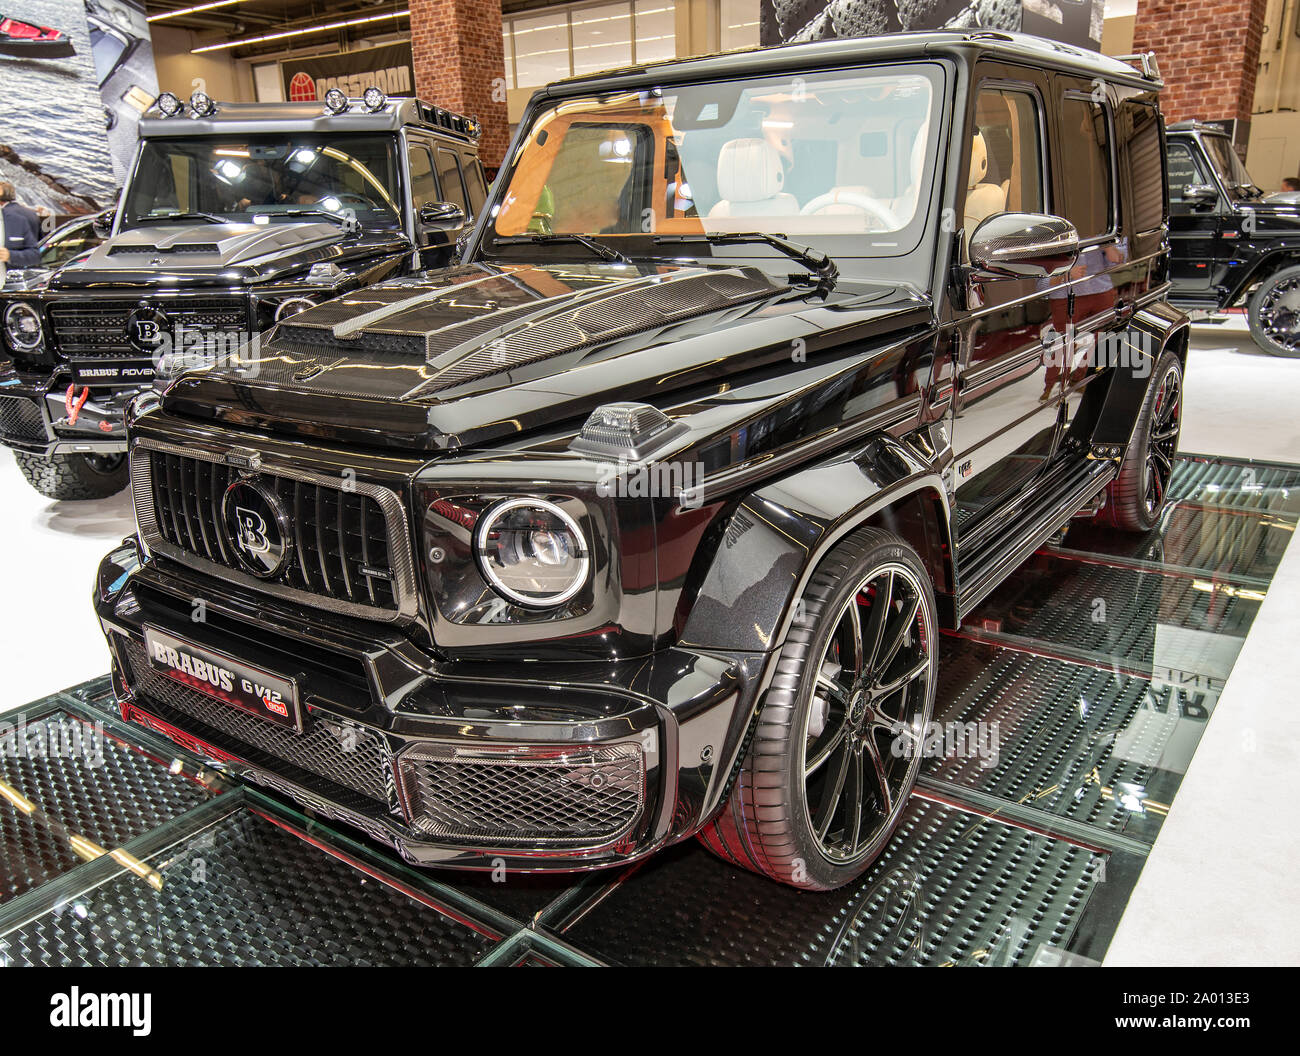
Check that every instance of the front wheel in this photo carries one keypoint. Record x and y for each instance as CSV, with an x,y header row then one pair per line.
x,y
1273,313
74,476
838,744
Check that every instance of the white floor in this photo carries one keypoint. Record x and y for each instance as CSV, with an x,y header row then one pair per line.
x,y
1218,887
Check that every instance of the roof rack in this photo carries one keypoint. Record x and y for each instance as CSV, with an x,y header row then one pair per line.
x,y
1145,62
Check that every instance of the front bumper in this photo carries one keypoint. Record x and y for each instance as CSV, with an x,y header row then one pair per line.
x,y
540,766
34,418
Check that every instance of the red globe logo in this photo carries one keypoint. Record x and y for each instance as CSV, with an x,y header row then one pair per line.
x,y
302,89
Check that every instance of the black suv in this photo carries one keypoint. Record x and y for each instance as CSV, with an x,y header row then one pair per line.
x,y
234,215
641,521
1230,244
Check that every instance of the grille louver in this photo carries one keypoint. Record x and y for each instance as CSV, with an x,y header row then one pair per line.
x,y
349,550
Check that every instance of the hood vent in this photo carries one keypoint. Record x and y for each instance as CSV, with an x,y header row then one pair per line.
x,y
619,315
207,248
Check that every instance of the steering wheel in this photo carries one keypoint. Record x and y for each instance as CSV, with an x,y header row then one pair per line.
x,y
862,202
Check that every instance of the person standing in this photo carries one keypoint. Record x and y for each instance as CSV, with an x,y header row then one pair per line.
x,y
22,231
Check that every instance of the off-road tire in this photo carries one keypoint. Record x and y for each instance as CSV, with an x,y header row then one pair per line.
x,y
1130,506
74,477
766,824
1276,302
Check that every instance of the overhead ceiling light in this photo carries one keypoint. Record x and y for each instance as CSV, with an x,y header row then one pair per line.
x,y
196,9
284,34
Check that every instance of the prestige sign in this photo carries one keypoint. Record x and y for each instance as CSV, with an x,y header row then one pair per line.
x,y
387,68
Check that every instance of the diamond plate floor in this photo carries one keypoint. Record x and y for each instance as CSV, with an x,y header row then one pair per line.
x,y
1072,703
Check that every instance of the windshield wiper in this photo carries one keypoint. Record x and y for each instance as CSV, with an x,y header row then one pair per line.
x,y
820,264
350,224
600,249
167,218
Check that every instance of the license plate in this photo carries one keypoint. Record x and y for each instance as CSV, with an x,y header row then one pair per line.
x,y
262,693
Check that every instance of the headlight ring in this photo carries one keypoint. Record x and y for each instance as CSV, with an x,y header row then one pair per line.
x,y
532,552
23,327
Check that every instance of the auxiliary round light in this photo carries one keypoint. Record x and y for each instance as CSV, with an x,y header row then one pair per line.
x,y
23,327
201,104
532,552
169,104
374,98
335,102
293,306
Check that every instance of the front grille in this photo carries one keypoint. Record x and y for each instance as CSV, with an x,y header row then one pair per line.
x,y
587,795
20,419
354,757
340,537
97,329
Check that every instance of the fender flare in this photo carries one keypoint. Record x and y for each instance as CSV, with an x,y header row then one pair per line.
x,y
780,532
1280,253
1151,330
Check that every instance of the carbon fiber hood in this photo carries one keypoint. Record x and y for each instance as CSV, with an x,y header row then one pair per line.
x,y
465,355
204,252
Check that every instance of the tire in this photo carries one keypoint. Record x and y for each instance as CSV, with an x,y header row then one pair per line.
x,y
783,824
1136,498
74,477
1273,313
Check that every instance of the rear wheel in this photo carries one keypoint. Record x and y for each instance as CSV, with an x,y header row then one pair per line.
x,y
1137,496
74,476
1274,314
838,743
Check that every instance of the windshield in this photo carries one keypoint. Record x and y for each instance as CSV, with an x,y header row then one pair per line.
x,y
840,161
1229,166
263,178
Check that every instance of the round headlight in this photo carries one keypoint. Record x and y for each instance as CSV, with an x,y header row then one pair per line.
x,y
201,104
293,306
23,327
532,552
374,98
335,102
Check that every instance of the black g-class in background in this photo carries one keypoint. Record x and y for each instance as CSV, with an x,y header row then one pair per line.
x,y
1230,244
640,522
234,215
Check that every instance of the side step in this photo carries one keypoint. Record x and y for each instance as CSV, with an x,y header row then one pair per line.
x,y
1058,497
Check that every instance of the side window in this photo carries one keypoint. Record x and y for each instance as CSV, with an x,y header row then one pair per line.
x,y
424,188
1006,156
474,183
1185,170
1138,131
1086,173
453,189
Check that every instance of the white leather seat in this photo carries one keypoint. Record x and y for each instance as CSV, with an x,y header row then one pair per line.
x,y
750,181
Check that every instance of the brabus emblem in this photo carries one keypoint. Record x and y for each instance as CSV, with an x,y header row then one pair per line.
x,y
146,326
244,459
252,531
257,527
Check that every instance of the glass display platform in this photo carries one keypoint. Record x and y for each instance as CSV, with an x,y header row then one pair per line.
x,y
1086,680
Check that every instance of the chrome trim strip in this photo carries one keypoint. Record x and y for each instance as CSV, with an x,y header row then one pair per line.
x,y
395,520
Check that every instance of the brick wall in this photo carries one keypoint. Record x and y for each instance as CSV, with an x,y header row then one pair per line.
x,y
1208,52
460,64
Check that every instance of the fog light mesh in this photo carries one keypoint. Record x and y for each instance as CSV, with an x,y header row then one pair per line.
x,y
590,795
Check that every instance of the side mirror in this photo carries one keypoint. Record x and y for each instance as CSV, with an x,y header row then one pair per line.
x,y
102,225
1022,246
1198,194
441,213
